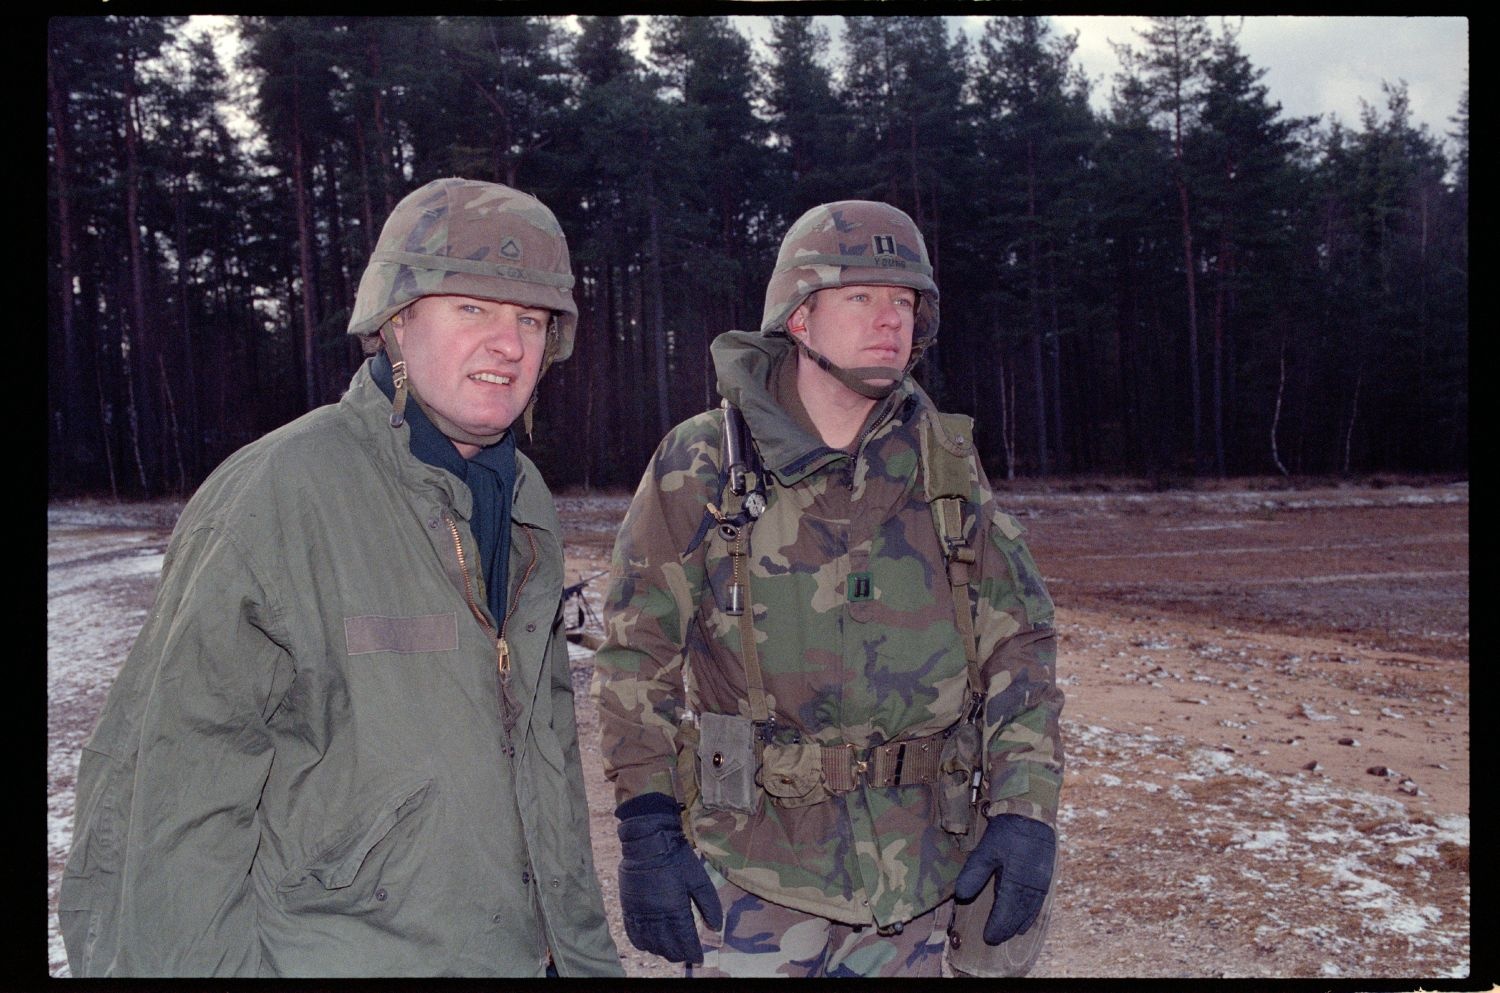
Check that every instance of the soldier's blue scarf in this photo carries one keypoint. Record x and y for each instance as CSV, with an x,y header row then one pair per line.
x,y
490,476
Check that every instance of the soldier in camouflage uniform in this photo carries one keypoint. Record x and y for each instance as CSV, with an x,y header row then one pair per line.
x,y
829,666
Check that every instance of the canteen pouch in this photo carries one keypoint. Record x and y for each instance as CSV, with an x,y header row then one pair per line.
x,y
793,774
955,785
968,954
726,763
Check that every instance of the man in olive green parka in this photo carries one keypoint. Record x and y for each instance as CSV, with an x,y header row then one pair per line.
x,y
344,742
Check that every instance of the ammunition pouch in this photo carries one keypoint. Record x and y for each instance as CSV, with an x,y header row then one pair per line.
x,y
802,773
727,762
793,774
958,765
732,765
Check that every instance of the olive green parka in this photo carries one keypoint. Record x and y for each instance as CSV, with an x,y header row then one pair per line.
x,y
303,767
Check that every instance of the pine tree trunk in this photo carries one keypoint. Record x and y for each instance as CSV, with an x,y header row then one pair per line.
x,y
1033,280
1054,369
137,361
1276,414
1221,292
310,387
1192,310
189,368
1359,378
67,426
1007,417
659,310
382,142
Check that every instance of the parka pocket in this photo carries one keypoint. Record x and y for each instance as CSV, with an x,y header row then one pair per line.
x,y
338,862
726,763
793,774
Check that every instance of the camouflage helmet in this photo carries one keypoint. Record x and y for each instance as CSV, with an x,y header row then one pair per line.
x,y
851,242
469,238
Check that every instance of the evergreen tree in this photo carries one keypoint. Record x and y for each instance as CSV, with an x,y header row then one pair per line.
x,y
1172,67
1134,204
1035,133
199,285
808,122
296,84
630,180
504,103
706,68
1242,158
101,176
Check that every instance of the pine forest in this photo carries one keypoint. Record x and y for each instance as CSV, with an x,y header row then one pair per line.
x,y
1174,283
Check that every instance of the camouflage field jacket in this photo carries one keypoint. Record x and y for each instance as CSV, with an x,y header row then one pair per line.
x,y
838,670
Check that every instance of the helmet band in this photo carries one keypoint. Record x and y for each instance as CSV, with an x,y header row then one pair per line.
x,y
444,263
854,262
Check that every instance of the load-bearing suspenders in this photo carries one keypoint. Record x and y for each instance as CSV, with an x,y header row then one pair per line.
x,y
947,452
949,486
744,483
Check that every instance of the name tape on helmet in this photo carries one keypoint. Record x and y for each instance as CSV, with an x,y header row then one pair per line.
x,y
855,262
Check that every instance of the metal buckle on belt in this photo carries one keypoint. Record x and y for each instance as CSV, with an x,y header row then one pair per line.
x,y
857,766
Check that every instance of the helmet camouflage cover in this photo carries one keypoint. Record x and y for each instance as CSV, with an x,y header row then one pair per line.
x,y
469,238
851,242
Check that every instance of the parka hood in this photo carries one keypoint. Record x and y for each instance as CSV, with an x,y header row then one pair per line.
x,y
745,362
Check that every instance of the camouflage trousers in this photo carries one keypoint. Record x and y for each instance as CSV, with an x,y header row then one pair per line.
x,y
760,938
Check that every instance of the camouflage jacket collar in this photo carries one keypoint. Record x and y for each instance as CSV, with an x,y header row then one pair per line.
x,y
745,362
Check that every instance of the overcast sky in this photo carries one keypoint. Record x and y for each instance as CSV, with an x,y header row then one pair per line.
x,y
1314,65
1319,65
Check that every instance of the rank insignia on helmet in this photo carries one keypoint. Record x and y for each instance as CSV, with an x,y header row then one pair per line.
x,y
885,244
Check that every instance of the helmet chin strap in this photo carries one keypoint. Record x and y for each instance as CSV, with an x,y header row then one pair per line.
x,y
857,379
405,387
549,354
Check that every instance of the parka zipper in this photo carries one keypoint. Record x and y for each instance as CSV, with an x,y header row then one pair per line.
x,y
502,647
463,569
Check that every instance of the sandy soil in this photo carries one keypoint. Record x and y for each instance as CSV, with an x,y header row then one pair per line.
x,y
1267,722
1267,729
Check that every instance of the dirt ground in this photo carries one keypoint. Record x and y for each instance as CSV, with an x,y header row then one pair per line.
x,y
1267,729
1267,726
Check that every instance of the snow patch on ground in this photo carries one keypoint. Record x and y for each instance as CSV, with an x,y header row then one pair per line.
x,y
91,624
1316,852
1293,859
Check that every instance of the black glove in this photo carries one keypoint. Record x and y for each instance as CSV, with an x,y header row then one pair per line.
x,y
660,878
1019,852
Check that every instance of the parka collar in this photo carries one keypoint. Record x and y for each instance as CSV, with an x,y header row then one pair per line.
x,y
744,362
371,409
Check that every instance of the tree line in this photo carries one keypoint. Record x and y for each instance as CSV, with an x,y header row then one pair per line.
x,y
1185,283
